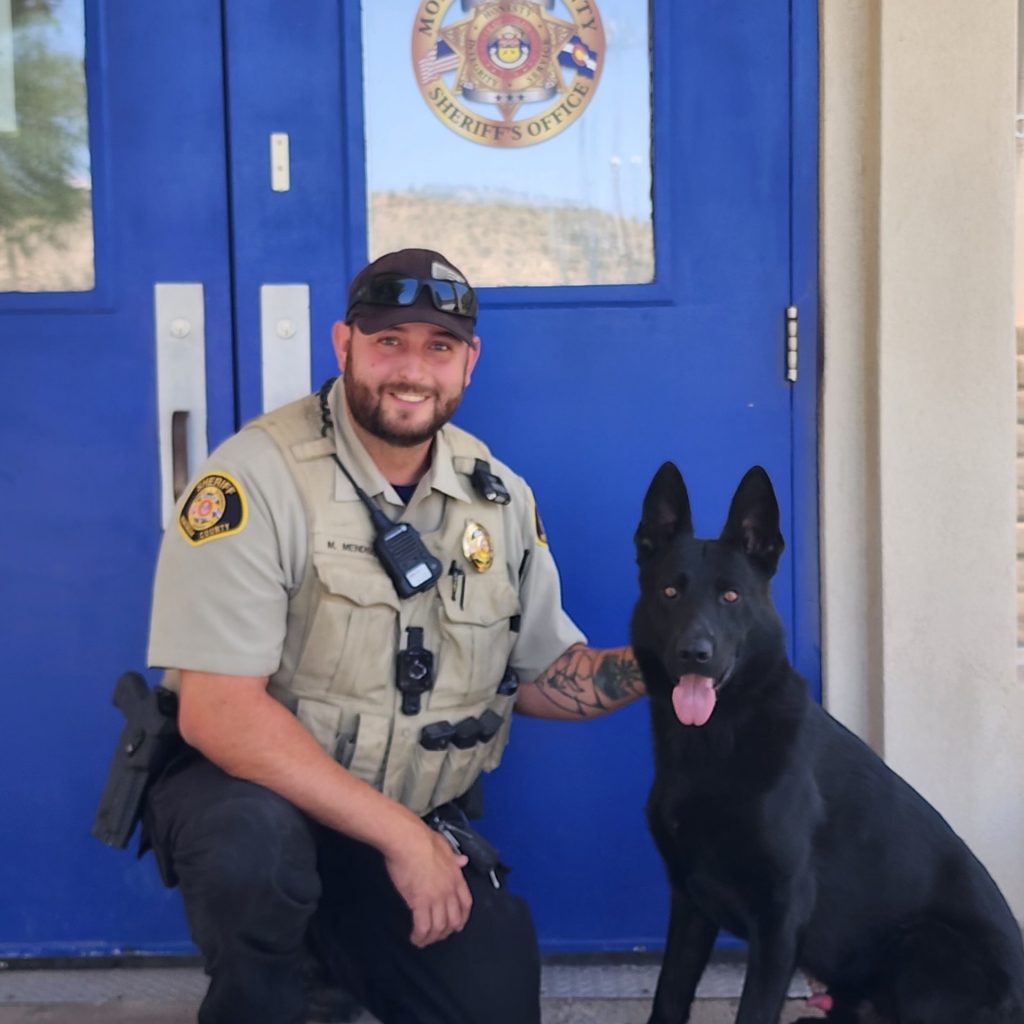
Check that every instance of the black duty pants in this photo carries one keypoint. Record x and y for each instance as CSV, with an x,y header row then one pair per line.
x,y
257,875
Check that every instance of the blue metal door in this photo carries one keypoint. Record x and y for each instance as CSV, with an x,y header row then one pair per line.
x,y
81,472
585,391
588,397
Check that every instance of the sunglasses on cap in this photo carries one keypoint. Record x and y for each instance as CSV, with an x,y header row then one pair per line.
x,y
401,290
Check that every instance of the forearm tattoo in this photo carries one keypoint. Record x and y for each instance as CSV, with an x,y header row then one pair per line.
x,y
588,682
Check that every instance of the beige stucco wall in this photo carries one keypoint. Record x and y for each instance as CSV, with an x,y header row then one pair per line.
x,y
918,405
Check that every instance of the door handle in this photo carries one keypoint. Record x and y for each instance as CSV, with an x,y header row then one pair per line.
x,y
179,453
181,387
284,343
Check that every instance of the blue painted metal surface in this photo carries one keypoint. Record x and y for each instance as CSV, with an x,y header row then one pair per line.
x,y
585,391
79,430
285,72
588,404
806,620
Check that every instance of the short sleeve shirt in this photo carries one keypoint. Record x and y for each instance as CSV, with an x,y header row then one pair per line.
x,y
220,605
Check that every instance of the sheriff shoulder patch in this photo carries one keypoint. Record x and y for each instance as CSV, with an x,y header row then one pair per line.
x,y
215,507
542,537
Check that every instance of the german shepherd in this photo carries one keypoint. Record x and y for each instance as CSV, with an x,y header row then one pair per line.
x,y
777,823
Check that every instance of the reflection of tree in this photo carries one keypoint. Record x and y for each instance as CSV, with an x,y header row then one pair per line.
x,y
39,161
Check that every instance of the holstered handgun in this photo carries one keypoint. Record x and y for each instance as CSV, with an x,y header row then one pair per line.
x,y
148,739
451,822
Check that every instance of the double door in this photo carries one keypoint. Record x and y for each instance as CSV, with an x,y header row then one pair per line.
x,y
208,255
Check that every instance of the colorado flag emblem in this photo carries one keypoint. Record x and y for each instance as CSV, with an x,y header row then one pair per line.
x,y
579,57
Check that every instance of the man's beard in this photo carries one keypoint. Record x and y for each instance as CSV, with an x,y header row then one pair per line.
x,y
367,409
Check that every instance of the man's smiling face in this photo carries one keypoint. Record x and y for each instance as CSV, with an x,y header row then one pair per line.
x,y
404,383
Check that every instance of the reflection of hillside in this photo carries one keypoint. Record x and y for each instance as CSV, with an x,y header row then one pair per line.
x,y
59,258
497,240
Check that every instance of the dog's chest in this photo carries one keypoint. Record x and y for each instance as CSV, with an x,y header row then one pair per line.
x,y
698,821
692,826
715,818
700,853
717,854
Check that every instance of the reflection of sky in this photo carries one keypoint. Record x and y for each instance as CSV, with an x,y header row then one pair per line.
x,y
64,32
69,35
408,147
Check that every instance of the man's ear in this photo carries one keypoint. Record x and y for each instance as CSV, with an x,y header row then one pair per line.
x,y
753,522
341,336
666,511
474,355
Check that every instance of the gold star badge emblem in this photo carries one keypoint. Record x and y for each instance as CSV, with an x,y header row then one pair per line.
x,y
508,55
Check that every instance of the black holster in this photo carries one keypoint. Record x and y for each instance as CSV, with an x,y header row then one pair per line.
x,y
451,822
147,741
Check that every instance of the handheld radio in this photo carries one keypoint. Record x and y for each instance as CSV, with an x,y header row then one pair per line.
x,y
398,546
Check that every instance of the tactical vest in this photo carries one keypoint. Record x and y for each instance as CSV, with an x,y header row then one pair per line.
x,y
346,624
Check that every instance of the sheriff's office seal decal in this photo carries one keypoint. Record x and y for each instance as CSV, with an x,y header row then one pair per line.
x,y
214,508
510,73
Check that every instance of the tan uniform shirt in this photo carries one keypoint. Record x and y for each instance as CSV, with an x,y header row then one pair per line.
x,y
221,606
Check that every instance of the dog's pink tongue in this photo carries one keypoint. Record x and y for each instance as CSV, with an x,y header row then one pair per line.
x,y
694,699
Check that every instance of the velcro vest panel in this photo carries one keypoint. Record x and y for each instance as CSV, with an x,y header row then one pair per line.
x,y
346,624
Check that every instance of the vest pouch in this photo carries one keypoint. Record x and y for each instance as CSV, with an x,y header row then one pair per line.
x,y
365,754
495,747
350,648
356,740
322,720
420,779
459,771
477,620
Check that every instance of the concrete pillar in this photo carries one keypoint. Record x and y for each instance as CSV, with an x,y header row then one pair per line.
x,y
918,405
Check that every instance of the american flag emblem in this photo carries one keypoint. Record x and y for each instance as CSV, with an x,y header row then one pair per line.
x,y
440,59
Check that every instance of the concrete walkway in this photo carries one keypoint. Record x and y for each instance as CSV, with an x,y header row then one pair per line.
x,y
714,1011
572,993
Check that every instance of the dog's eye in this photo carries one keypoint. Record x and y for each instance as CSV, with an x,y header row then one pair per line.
x,y
671,592
730,597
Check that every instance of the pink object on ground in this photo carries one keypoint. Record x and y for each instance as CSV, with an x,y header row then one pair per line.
x,y
820,1001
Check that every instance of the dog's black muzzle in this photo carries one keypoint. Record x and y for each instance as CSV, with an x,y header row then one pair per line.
x,y
695,652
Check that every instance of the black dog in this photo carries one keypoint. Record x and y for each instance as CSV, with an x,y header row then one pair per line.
x,y
778,824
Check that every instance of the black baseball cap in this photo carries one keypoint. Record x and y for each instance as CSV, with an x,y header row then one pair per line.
x,y
412,286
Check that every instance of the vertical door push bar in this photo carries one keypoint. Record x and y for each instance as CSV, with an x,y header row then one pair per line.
x,y
284,343
181,388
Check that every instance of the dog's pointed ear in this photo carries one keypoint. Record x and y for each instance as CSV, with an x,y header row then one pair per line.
x,y
753,522
666,511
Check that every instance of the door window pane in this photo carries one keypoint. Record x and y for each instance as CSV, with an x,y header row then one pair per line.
x,y
46,237
514,136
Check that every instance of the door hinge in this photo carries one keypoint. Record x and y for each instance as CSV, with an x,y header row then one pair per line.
x,y
792,342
